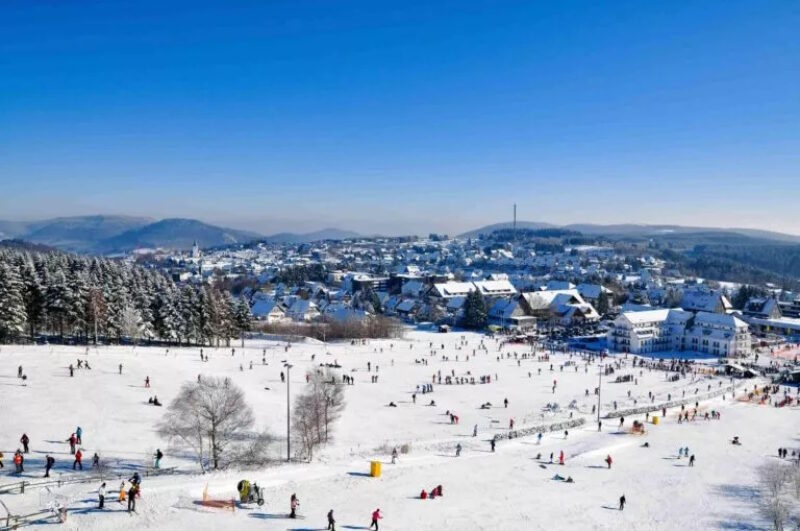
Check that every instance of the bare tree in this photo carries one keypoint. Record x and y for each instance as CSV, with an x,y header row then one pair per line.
x,y
774,479
316,410
213,420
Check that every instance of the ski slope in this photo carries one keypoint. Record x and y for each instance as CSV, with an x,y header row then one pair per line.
x,y
507,489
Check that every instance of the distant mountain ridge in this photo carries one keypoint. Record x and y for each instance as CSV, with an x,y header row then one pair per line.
x,y
632,229
324,234
102,234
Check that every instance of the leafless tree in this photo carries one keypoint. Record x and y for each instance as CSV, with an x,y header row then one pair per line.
x,y
213,420
774,479
316,410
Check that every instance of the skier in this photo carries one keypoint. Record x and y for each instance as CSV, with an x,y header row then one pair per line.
x,y
101,494
609,461
1,460
77,462
293,502
24,440
78,433
158,455
622,501
376,515
492,443
331,522
505,402
691,460
458,449
394,455
120,368
561,457
71,371
49,462
18,462
539,438
283,377
19,371
147,381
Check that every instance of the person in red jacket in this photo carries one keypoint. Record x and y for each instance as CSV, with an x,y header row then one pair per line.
x,y
77,462
561,457
609,461
376,515
73,440
423,495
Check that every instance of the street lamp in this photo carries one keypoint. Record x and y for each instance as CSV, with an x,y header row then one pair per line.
x,y
288,413
599,388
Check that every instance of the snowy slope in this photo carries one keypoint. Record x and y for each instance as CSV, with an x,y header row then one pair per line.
x,y
508,489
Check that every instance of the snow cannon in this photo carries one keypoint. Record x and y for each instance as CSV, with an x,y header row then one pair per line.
x,y
250,493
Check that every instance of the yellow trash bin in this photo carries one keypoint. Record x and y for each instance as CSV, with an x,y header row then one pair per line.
x,y
375,469
655,419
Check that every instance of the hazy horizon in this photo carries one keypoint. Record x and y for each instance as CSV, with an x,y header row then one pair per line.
x,y
266,229
423,117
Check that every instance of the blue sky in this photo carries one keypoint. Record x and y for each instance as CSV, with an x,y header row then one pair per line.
x,y
402,117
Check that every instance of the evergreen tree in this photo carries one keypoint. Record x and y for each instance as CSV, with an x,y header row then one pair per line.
x,y
33,296
12,305
476,314
602,303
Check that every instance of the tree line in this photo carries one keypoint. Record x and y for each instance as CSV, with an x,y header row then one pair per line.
x,y
85,299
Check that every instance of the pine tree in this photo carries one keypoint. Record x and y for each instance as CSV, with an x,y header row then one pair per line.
x,y
33,296
602,303
475,312
12,305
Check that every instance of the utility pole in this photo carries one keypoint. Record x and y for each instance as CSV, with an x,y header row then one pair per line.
x,y
288,417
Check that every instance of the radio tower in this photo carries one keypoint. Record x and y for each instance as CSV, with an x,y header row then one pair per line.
x,y
514,230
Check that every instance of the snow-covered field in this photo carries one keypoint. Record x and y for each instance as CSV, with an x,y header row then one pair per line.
x,y
508,489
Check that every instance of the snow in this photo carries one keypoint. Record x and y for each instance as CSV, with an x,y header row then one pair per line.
x,y
508,489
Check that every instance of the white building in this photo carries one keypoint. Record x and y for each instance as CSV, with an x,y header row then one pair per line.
x,y
678,330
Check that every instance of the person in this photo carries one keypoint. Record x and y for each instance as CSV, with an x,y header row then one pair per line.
x,y
423,495
24,440
691,460
159,455
156,402
293,502
49,462
561,457
505,402
609,461
147,381
475,431
1,460
121,497
18,462
132,497
736,440
78,434
72,442
492,443
622,501
539,438
331,521
135,479
376,515
77,462
120,368
458,449
101,494
394,455
71,371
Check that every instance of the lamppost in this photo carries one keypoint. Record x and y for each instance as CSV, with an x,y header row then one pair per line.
x,y
599,388
288,413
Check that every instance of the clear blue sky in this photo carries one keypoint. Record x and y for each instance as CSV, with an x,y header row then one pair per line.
x,y
402,117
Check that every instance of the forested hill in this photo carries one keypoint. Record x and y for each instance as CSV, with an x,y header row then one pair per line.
x,y
67,296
